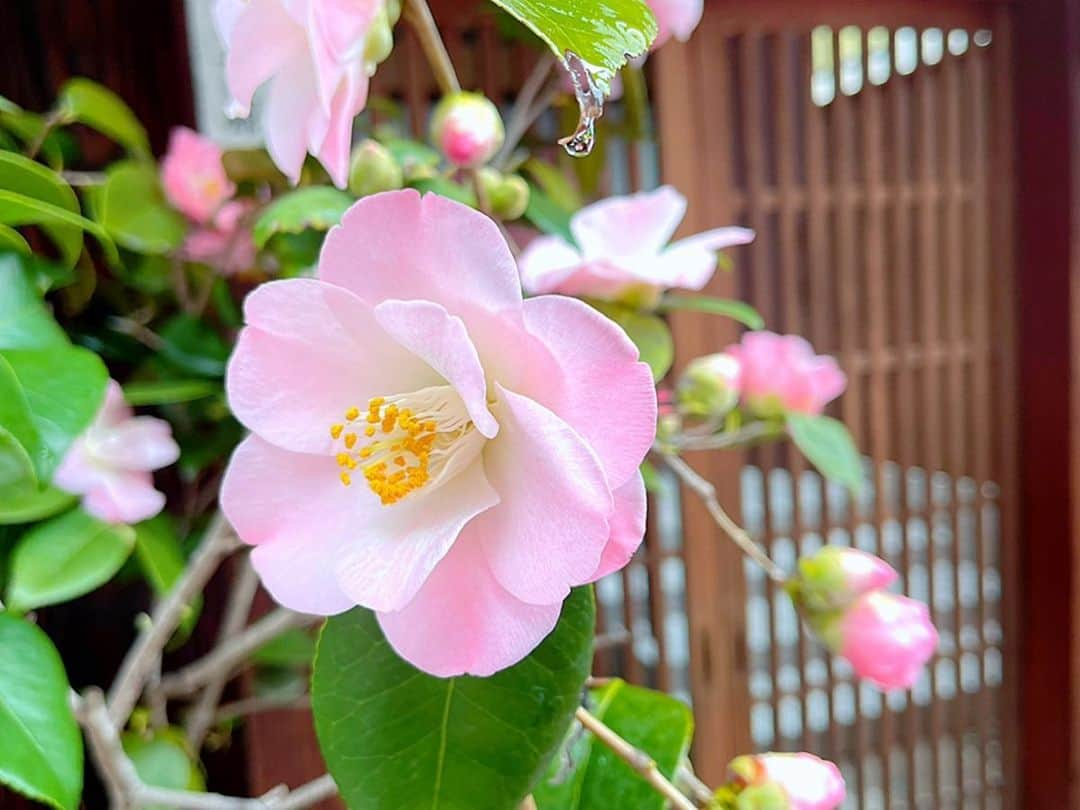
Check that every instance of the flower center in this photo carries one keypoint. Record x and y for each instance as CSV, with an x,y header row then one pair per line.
x,y
402,442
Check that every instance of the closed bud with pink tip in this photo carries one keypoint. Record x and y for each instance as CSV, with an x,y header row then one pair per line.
x,y
467,129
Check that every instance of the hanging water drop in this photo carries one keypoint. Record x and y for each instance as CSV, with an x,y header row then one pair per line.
x,y
590,99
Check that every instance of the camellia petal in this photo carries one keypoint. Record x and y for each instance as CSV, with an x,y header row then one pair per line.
x,y
462,621
601,375
640,223
401,245
262,38
124,497
140,443
550,528
627,523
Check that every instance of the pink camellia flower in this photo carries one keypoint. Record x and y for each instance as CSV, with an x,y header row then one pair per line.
x,y
193,176
781,373
675,18
622,250
428,445
315,54
808,782
836,576
225,244
886,638
467,129
110,463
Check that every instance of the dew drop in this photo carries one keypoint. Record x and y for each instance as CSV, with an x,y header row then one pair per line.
x,y
590,99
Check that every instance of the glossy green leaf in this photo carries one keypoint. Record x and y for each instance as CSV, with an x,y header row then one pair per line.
x,y
648,332
829,446
395,738
313,207
11,239
547,215
604,33
132,208
20,175
41,752
736,310
588,775
168,392
18,423
32,504
17,476
64,558
64,388
163,759
18,209
87,102
25,321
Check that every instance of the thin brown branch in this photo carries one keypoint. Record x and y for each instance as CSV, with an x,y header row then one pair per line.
x,y
523,115
242,595
225,659
688,781
744,437
636,759
418,15
707,492
255,705
141,659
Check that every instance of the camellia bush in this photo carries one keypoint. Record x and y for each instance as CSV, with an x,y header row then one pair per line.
x,y
416,390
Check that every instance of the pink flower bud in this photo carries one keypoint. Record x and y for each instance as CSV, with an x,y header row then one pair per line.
x,y
467,129
781,373
809,782
887,639
193,176
835,576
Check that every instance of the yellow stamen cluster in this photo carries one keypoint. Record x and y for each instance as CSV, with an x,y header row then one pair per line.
x,y
398,461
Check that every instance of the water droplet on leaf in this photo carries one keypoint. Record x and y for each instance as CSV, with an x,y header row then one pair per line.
x,y
590,98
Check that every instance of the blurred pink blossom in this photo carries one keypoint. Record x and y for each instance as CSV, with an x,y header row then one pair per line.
x,y
622,248
193,176
428,445
225,244
675,18
887,639
781,373
312,52
836,576
467,129
808,782
110,463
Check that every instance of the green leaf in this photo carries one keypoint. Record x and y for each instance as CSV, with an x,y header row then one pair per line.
x,y
18,209
32,504
87,102
395,737
547,215
554,183
17,476
604,33
168,392
653,722
648,332
11,239
64,388
18,423
161,559
736,310
192,346
317,207
40,745
64,558
829,446
25,321
414,157
163,759
133,210
23,176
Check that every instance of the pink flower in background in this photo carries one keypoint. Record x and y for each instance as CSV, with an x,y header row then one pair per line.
x,y
622,248
110,463
835,576
676,18
887,639
193,176
781,373
428,445
314,55
226,243
808,782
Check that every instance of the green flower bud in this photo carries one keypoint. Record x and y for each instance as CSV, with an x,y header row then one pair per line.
x,y
709,386
769,796
507,195
380,39
373,169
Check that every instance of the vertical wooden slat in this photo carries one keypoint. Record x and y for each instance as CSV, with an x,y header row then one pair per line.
x,y
928,234
695,155
876,314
